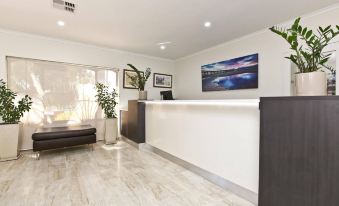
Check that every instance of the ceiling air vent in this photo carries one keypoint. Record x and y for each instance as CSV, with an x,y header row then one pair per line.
x,y
64,5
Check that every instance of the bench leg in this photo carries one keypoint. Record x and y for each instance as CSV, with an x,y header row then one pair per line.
x,y
91,147
37,155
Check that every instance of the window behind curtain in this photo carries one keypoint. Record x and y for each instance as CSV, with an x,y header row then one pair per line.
x,y
63,94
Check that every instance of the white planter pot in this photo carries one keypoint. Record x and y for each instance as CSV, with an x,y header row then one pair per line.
x,y
142,95
311,84
9,136
111,131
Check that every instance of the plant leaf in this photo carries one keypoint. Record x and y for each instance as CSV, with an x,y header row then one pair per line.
x,y
308,34
304,31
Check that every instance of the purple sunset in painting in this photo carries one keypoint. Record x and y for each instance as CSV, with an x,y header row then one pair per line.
x,y
238,73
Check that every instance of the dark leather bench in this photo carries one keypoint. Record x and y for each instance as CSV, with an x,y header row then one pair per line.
x,y
60,137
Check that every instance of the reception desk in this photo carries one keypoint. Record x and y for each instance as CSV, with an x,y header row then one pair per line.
x,y
219,139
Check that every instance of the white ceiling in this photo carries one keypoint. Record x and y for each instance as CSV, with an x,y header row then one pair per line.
x,y
138,25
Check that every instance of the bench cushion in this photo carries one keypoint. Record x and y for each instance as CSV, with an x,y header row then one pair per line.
x,y
63,132
63,142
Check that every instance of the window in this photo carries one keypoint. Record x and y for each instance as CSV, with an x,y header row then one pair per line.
x,y
62,93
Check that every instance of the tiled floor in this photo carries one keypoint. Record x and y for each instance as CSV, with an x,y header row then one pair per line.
x,y
110,175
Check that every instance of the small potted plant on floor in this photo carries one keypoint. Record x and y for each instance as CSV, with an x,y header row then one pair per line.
x,y
10,114
139,81
108,101
308,54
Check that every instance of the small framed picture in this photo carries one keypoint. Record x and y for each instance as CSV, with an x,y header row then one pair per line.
x,y
162,80
127,80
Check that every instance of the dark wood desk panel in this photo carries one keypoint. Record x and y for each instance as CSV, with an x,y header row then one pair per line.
x,y
299,151
136,121
124,123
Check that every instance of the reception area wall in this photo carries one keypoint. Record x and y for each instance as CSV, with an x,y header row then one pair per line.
x,y
274,70
25,45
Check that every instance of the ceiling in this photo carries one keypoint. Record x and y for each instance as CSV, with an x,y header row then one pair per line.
x,y
138,25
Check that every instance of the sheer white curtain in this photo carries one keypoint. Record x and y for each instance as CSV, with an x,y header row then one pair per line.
x,y
63,94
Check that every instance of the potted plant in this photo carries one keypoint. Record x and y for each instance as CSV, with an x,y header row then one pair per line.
x,y
139,81
10,113
107,101
308,54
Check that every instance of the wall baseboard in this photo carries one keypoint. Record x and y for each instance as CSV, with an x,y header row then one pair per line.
x,y
215,179
130,142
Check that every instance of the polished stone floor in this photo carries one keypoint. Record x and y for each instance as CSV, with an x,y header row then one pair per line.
x,y
117,175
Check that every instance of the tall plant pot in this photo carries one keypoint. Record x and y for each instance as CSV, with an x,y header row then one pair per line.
x,y
111,131
142,95
311,84
9,138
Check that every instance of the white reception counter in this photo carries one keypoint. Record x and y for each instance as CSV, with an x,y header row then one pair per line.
x,y
220,137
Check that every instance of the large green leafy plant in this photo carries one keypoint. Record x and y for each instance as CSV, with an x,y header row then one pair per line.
x,y
308,46
107,100
139,81
10,112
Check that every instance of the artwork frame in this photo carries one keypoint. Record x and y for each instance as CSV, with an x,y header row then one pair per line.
x,y
126,79
162,80
232,74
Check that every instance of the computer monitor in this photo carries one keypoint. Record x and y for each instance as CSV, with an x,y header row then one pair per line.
x,y
166,95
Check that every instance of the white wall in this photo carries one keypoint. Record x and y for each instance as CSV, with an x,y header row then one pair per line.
x,y
37,47
274,70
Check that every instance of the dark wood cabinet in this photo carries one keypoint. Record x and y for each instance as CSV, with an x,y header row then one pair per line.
x,y
124,123
136,121
299,151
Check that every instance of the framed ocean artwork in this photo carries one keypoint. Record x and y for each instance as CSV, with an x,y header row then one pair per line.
x,y
233,74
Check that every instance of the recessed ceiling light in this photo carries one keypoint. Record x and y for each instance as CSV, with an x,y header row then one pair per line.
x,y
207,24
61,23
163,43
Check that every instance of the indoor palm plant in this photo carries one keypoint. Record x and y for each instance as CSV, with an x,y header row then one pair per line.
x,y
139,81
108,101
309,56
10,114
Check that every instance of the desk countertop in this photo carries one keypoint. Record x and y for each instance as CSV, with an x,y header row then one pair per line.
x,y
225,102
